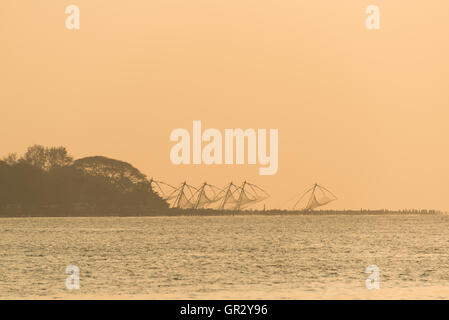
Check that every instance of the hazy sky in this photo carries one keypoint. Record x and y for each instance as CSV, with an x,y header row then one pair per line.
x,y
365,113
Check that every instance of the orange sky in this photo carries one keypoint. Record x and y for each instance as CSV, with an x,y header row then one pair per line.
x,y
362,112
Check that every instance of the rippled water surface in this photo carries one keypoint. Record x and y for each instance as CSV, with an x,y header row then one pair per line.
x,y
275,257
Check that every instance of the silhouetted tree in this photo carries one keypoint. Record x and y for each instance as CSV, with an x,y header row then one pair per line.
x,y
47,158
133,185
35,156
11,158
58,157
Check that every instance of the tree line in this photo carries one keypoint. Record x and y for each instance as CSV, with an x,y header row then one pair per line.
x,y
45,177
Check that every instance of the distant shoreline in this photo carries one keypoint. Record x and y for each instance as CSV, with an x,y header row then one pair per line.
x,y
60,213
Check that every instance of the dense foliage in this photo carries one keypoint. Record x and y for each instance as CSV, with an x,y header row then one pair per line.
x,y
50,177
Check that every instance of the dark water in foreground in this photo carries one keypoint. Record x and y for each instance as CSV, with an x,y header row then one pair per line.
x,y
262,257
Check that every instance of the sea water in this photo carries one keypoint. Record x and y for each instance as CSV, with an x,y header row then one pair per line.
x,y
227,257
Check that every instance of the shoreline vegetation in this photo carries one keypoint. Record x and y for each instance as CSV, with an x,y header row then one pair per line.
x,y
57,212
48,182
